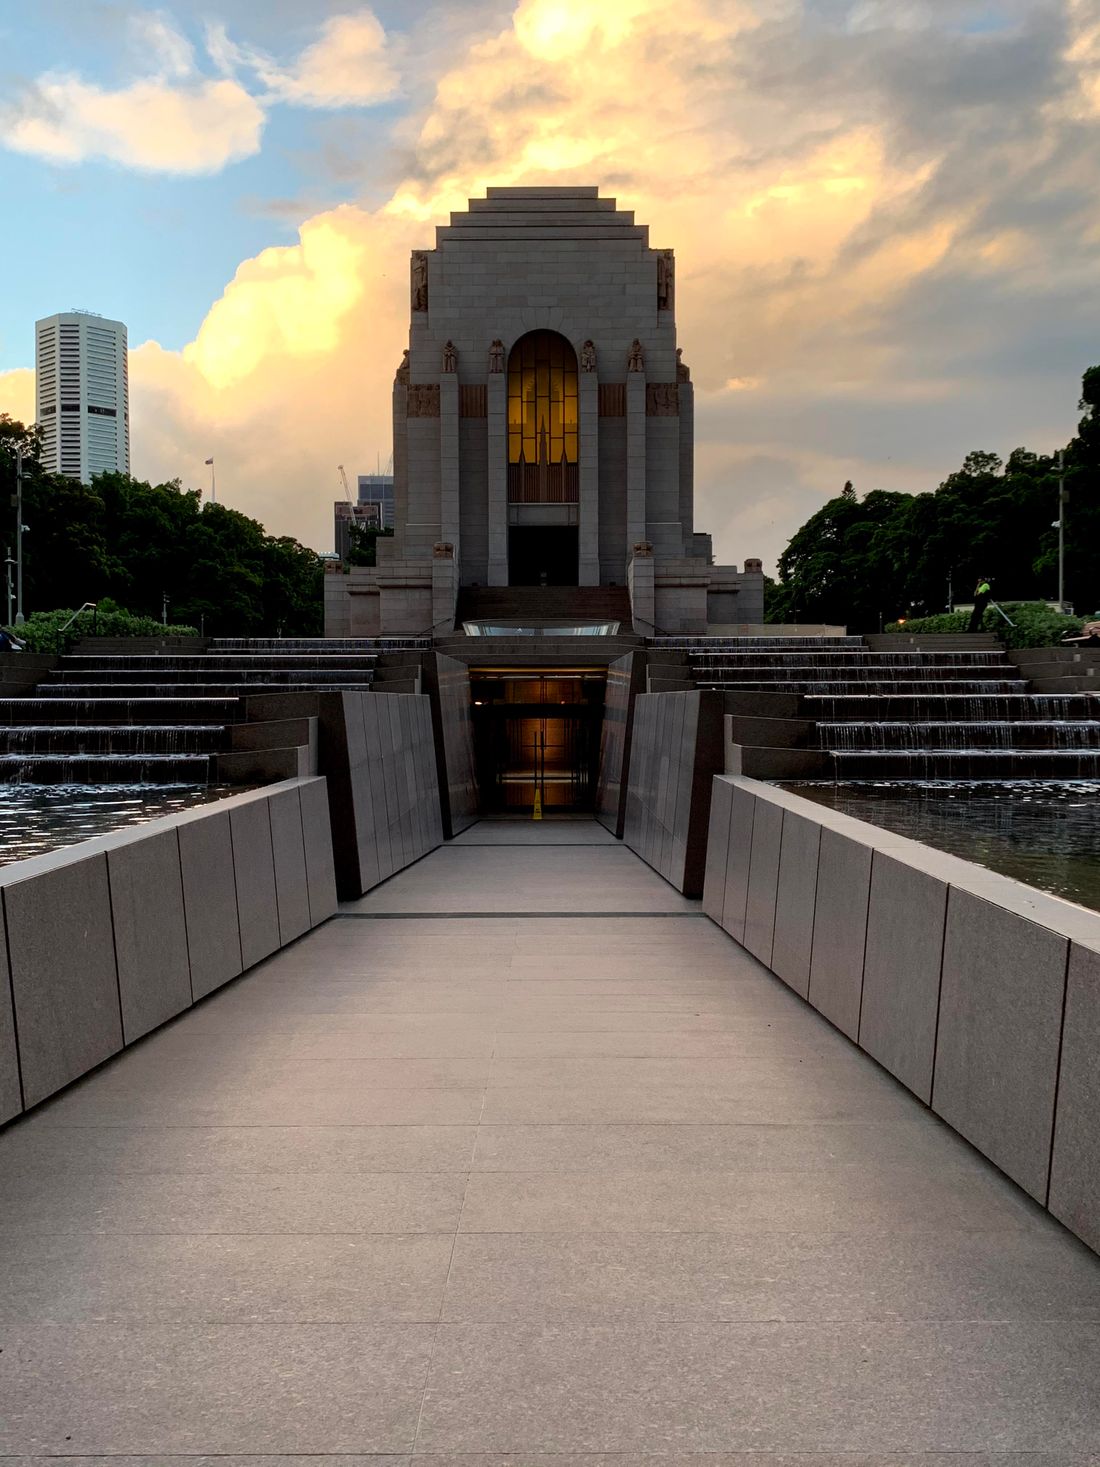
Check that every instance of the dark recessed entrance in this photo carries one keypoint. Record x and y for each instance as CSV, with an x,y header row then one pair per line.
x,y
542,555
537,730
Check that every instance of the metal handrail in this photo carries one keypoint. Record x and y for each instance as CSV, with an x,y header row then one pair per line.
x,y
80,610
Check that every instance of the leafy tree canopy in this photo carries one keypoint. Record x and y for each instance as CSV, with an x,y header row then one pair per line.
x,y
138,544
865,562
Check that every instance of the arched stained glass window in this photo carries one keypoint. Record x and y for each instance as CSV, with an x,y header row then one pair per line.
x,y
542,400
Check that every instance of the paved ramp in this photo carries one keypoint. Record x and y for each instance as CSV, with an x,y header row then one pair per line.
x,y
570,1177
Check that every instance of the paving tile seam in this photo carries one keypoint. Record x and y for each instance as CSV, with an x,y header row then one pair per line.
x,y
504,916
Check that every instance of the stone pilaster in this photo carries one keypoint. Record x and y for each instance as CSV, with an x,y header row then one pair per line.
x,y
686,396
497,452
449,460
635,462
588,510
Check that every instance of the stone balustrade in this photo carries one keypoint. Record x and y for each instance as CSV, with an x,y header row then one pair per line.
x,y
981,995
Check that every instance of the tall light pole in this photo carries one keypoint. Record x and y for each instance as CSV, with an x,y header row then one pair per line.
x,y
19,618
1061,530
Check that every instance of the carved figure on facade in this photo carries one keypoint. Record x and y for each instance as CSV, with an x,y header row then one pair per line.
x,y
666,268
419,280
635,361
662,400
496,355
450,357
683,372
423,400
402,373
588,357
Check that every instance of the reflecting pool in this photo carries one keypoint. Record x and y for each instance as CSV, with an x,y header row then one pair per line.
x,y
44,817
1045,834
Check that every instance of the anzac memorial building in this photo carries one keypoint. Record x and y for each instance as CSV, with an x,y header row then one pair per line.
x,y
543,423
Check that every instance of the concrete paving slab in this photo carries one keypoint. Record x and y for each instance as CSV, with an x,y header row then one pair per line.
x,y
536,833
777,1387
617,1185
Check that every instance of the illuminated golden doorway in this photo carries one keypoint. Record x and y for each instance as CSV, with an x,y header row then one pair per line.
x,y
542,420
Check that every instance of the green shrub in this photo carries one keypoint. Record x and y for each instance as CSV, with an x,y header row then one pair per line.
x,y
43,632
1035,624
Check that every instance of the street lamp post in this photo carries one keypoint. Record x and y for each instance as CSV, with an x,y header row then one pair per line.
x,y
1061,531
19,618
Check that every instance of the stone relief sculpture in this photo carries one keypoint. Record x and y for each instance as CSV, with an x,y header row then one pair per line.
x,y
402,373
588,357
419,280
683,373
662,399
635,361
496,355
450,357
423,400
666,265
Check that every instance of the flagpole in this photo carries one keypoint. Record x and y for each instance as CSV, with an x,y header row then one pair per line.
x,y
213,490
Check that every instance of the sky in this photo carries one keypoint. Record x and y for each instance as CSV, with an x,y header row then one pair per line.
x,y
884,214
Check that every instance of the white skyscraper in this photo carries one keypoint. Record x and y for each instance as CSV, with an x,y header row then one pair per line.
x,y
82,398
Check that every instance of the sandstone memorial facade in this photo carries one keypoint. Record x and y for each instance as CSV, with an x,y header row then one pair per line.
x,y
543,428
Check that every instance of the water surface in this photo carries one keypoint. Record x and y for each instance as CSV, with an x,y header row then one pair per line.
x,y
1045,834
44,817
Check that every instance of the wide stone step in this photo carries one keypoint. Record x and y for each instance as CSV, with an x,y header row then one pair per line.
x,y
102,710
736,644
894,707
279,677
836,687
1006,736
92,769
326,646
844,663
70,739
974,764
189,690
235,661
860,672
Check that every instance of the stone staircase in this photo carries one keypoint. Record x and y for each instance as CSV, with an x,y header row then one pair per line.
x,y
150,713
930,709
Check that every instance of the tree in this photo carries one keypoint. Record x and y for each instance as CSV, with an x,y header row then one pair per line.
x,y
900,553
139,544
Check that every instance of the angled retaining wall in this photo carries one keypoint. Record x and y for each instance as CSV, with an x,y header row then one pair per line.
x,y
676,748
980,994
104,941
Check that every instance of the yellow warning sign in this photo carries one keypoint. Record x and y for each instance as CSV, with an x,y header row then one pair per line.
x,y
537,814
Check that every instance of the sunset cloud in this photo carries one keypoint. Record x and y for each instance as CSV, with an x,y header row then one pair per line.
x,y
883,215
156,125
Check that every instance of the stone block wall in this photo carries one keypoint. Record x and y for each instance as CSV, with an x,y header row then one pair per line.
x,y
447,683
979,994
676,749
106,940
625,680
378,754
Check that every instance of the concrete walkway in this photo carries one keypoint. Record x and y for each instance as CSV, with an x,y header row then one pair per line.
x,y
571,1176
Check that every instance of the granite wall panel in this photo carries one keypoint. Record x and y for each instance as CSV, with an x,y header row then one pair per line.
x,y
676,749
289,854
209,900
154,968
102,942
738,858
1075,1165
447,683
999,1032
317,836
767,833
625,680
11,1093
63,975
795,901
840,929
906,918
718,839
977,992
